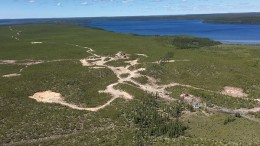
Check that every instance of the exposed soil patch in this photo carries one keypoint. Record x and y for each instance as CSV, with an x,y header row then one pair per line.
x,y
11,75
144,55
57,98
233,91
7,61
21,62
36,43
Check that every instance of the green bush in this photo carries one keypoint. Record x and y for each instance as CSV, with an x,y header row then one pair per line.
x,y
237,115
229,120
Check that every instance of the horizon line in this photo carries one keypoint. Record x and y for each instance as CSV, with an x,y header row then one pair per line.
x,y
127,16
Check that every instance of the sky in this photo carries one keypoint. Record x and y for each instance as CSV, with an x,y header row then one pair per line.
x,y
10,9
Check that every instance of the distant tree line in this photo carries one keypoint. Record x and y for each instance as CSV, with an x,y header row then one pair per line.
x,y
186,42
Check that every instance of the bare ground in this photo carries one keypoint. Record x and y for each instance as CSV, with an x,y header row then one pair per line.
x,y
233,91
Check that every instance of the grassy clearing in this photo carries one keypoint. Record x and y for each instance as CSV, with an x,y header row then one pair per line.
x,y
117,63
9,69
240,131
124,75
213,98
131,89
143,80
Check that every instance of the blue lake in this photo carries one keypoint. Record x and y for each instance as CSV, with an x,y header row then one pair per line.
x,y
226,33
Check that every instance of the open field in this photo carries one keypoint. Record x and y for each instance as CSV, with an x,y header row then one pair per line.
x,y
81,64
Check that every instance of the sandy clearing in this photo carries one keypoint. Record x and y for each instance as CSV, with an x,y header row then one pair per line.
x,y
7,61
11,75
169,61
144,55
158,62
233,91
84,62
32,63
56,98
36,43
21,62
97,67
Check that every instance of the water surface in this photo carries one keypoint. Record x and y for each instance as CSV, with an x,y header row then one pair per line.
x,y
226,33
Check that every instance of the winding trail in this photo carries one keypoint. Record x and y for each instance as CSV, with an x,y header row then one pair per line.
x,y
26,64
151,87
96,61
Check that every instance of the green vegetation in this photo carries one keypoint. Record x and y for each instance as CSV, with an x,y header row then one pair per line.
x,y
241,131
143,120
9,69
143,80
229,120
124,75
186,42
151,122
213,68
117,63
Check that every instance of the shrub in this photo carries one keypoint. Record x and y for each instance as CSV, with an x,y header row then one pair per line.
x,y
229,120
238,115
